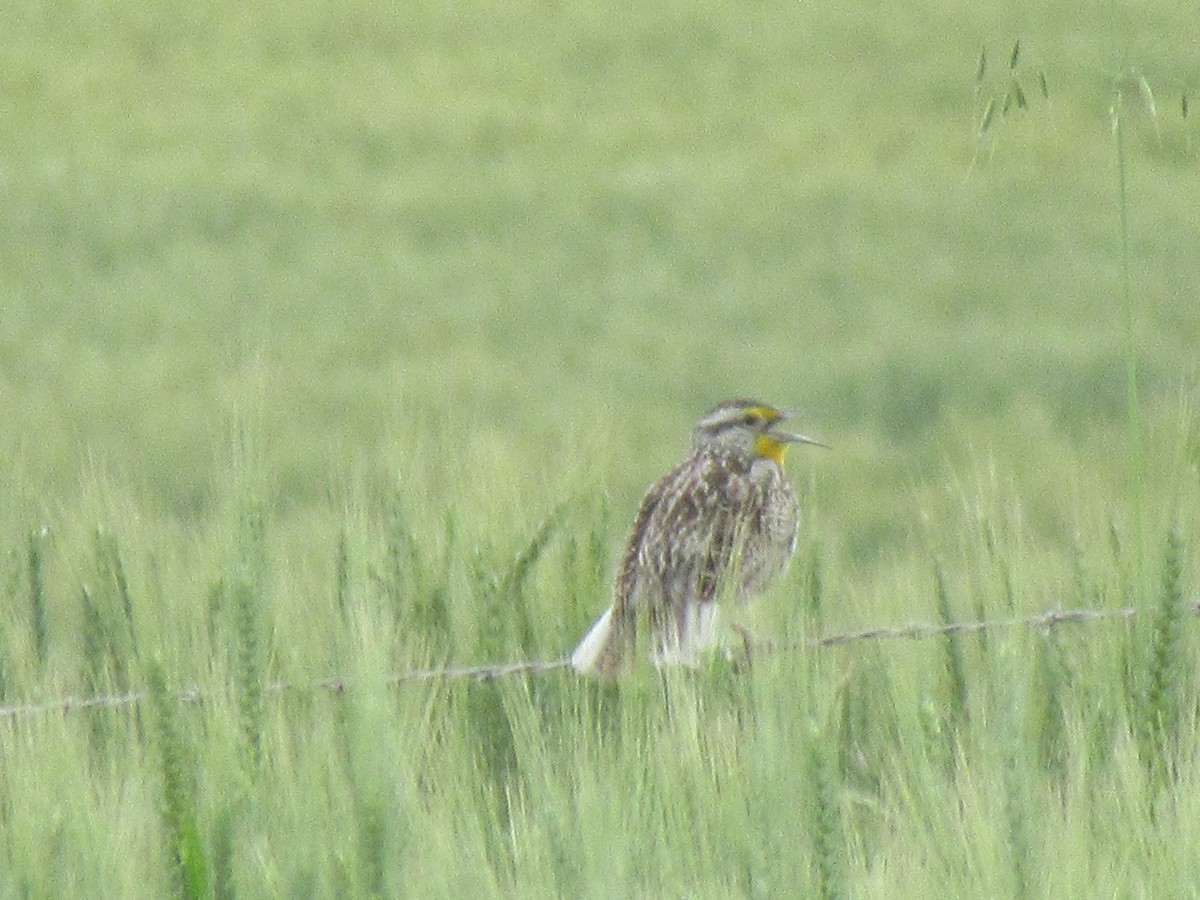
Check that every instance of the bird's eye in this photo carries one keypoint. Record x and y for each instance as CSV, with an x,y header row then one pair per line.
x,y
752,420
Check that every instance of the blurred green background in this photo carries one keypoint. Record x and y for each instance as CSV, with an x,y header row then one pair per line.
x,y
537,239
340,339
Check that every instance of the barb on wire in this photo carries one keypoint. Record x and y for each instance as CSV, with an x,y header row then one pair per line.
x,y
338,685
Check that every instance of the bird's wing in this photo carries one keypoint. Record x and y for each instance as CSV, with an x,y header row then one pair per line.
x,y
685,553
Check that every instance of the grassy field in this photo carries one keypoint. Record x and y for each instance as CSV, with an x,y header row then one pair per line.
x,y
341,341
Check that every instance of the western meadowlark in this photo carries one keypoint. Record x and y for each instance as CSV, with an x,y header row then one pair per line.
x,y
723,523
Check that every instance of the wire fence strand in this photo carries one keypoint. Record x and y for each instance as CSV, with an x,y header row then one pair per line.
x,y
339,685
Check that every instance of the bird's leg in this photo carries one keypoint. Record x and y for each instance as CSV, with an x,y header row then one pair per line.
x,y
741,656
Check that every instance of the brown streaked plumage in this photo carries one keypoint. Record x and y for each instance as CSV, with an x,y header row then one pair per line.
x,y
724,522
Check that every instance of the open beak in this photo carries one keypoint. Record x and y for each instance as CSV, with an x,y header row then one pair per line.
x,y
789,437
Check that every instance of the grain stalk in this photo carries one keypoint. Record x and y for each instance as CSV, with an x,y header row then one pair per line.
x,y
37,595
953,667
341,578
1132,413
825,821
248,606
814,593
1017,767
1052,680
1167,665
184,848
113,566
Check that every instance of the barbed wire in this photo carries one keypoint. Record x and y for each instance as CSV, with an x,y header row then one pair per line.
x,y
339,685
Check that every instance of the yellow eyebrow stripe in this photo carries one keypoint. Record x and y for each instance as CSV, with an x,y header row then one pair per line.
x,y
766,413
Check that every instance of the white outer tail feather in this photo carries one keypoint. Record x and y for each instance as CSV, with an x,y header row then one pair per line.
x,y
593,644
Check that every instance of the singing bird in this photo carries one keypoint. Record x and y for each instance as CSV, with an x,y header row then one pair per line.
x,y
723,523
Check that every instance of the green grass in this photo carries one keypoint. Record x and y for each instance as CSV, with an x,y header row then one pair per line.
x,y
338,342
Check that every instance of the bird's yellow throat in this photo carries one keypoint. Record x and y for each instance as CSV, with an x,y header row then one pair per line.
x,y
768,447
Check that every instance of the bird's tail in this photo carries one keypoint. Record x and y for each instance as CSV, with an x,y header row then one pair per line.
x,y
604,650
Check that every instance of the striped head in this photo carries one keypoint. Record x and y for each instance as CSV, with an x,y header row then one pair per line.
x,y
748,428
